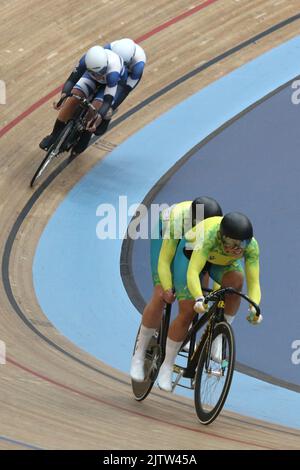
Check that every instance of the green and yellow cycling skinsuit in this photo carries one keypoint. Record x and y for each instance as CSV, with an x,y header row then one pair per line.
x,y
208,255
170,231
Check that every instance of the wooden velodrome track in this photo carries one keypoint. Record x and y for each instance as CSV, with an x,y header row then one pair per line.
x,y
52,394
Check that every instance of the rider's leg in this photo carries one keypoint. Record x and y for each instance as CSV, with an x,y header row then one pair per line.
x,y
153,311
233,279
177,332
86,135
64,115
229,276
179,327
150,323
70,105
103,126
204,284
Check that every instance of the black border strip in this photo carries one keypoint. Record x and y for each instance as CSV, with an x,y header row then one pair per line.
x,y
34,198
127,246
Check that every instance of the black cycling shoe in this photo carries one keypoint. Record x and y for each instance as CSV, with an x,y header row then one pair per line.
x,y
46,142
82,144
102,128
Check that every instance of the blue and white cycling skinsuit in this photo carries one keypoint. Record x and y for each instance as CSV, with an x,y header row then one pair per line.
x,y
119,79
107,85
134,70
112,88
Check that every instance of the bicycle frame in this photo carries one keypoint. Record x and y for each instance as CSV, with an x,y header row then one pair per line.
x,y
163,332
68,137
215,314
79,119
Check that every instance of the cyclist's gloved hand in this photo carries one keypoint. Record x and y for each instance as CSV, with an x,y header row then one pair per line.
x,y
252,318
199,306
168,296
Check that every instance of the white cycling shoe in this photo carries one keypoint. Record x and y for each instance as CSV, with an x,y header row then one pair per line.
x,y
216,349
137,372
164,379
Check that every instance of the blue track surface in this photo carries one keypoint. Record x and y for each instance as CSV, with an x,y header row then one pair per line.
x,y
76,275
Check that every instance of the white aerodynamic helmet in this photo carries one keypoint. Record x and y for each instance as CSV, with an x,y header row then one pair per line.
x,y
96,60
125,48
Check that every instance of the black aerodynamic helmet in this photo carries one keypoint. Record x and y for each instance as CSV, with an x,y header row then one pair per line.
x,y
211,208
237,226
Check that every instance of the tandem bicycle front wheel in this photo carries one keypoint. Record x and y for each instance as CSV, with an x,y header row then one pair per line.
x,y
214,374
53,152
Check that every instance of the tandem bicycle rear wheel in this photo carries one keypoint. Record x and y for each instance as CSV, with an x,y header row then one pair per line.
x,y
151,367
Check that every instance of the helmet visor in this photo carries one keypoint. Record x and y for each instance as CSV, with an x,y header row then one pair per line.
x,y
233,244
99,73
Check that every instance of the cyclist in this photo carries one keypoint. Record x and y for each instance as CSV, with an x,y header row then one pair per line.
x,y
134,58
101,74
97,73
225,242
172,224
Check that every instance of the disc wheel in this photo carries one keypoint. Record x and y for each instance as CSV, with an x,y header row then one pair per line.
x,y
151,368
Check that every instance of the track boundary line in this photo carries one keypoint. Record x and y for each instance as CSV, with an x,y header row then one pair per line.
x,y
127,410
